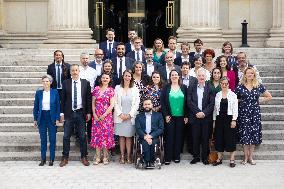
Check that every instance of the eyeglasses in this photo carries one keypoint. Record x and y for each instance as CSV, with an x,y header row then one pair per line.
x,y
99,54
225,84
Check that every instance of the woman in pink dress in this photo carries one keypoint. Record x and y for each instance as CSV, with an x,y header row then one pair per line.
x,y
102,128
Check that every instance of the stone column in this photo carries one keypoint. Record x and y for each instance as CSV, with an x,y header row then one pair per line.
x,y
1,18
276,33
68,24
200,19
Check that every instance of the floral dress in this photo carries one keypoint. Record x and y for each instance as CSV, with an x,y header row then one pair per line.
x,y
140,86
152,92
249,118
103,131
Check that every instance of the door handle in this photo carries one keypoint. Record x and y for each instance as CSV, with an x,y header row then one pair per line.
x,y
170,16
100,14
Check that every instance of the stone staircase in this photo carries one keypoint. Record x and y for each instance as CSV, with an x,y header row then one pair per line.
x,y
20,72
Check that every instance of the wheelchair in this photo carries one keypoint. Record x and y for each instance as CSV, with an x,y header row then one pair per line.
x,y
138,153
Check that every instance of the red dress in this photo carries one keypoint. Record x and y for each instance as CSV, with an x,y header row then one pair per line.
x,y
103,131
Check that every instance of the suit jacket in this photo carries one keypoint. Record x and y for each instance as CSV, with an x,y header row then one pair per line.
x,y
165,102
163,71
178,61
131,55
208,102
51,70
157,125
66,104
163,56
54,105
128,48
156,66
128,64
103,46
93,64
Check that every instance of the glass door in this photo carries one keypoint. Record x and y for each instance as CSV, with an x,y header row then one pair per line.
x,y
96,18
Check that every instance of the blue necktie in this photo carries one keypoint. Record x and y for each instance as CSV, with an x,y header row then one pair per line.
x,y
138,58
75,96
58,76
109,50
120,67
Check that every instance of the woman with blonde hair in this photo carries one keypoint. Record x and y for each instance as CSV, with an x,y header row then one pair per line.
x,y
159,52
249,118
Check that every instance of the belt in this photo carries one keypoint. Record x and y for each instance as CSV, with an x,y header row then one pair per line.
x,y
78,110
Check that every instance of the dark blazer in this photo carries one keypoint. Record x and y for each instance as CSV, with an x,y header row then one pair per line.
x,y
163,71
66,104
178,61
156,66
54,105
93,64
131,55
128,64
192,80
208,102
128,47
157,125
103,46
165,102
65,73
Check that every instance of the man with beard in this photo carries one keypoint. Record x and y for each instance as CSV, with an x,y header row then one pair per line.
x,y
97,64
149,126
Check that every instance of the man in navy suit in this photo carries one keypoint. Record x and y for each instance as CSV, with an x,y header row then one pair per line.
x,y
109,46
120,62
137,54
149,126
59,70
129,46
97,64
185,55
200,101
150,65
198,45
172,44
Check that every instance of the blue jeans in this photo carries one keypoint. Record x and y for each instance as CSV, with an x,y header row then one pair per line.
x,y
76,119
44,126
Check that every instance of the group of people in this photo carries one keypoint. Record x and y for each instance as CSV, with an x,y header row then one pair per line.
x,y
185,97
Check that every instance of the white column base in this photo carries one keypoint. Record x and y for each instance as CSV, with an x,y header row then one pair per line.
x,y
276,38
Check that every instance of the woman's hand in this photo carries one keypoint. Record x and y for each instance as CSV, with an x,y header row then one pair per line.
x,y
35,125
95,117
102,117
168,119
233,124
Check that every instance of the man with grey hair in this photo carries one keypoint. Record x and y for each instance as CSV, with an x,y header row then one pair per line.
x,y
87,72
97,64
200,101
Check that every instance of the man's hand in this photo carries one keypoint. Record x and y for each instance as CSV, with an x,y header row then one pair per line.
x,y
185,120
62,119
149,141
168,119
88,117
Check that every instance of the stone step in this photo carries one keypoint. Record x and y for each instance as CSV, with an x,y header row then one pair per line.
x,y
17,102
272,108
274,86
17,127
20,80
272,125
266,61
20,87
22,74
279,116
273,135
270,68
277,93
277,73
272,79
16,118
275,101
23,68
16,109
17,94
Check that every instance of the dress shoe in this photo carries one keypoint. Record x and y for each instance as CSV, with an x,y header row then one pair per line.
x,y
63,162
195,160
218,162
85,161
205,162
152,165
177,160
232,163
50,163
42,162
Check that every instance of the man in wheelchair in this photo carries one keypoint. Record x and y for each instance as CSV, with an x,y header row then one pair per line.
x,y
149,127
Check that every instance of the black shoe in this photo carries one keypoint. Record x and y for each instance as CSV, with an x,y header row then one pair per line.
x,y
152,165
42,162
177,160
195,160
167,163
205,162
50,163
216,163
232,163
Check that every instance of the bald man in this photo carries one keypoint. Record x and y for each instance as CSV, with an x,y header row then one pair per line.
x,y
98,62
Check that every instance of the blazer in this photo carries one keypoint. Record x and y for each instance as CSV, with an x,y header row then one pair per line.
x,y
54,106
155,64
163,56
128,64
118,107
131,55
103,46
178,61
157,125
66,102
232,104
51,70
93,64
163,71
128,47
165,102
207,102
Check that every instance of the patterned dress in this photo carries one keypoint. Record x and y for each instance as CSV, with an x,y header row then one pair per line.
x,y
140,86
152,92
103,131
249,118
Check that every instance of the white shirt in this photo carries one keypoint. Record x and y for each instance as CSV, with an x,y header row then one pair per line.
x,y
108,42
183,59
56,70
118,64
99,68
88,73
140,55
150,68
200,91
79,95
193,74
132,46
185,80
148,122
168,71
46,100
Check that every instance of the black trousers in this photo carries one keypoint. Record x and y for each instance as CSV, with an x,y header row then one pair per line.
x,y
187,138
174,138
200,136
149,150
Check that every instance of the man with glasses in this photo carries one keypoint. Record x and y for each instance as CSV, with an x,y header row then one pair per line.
x,y
137,53
150,65
98,62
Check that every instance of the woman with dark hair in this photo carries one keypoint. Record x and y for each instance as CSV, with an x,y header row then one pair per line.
x,y
125,110
153,91
209,54
173,101
215,79
227,50
198,61
107,68
102,129
159,52
226,71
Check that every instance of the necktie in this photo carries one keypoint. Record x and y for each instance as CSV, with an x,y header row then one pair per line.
x,y
138,58
75,96
120,67
109,50
58,76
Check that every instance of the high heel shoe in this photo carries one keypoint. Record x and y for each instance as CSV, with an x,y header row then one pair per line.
x,y
97,161
244,162
251,162
122,159
232,163
129,161
217,162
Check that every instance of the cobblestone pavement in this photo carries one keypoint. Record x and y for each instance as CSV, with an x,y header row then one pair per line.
x,y
266,174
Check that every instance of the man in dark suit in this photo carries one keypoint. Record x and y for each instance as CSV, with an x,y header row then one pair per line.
x,y
185,55
201,104
165,69
109,46
59,70
75,111
120,62
97,64
172,44
149,126
150,65
129,46
137,54
198,45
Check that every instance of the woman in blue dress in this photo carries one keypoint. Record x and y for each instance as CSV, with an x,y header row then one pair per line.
x,y
249,119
